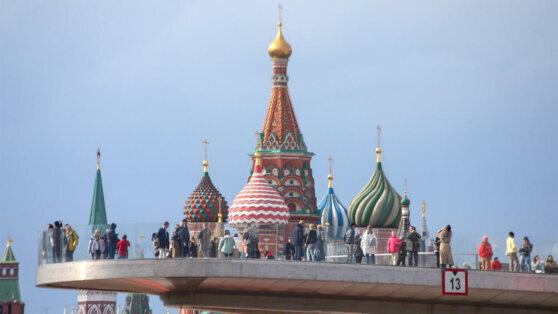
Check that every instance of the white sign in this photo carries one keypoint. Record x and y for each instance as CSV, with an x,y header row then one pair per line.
x,y
454,281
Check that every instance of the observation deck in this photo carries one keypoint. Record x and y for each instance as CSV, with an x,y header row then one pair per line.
x,y
245,285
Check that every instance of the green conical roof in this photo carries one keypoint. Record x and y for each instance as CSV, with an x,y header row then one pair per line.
x,y
9,256
98,216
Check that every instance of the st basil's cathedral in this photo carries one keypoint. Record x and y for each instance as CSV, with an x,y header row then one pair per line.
x,y
282,161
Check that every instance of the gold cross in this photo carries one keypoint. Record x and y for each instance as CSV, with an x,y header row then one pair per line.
x,y
330,163
258,139
205,142
405,184
280,8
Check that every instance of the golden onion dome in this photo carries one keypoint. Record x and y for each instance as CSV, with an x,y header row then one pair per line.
x,y
279,48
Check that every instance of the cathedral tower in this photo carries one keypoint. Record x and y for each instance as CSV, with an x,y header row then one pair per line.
x,y
284,156
90,301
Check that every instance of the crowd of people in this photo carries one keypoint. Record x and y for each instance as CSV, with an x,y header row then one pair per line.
x,y
60,241
537,265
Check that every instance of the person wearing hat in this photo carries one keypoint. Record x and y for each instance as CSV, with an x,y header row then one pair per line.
x,y
485,252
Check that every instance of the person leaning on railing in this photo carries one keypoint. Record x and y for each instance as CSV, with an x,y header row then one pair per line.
x,y
71,241
96,247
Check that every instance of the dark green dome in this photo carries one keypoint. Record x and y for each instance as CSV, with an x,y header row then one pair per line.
x,y
405,201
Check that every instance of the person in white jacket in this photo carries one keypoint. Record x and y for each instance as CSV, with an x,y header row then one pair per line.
x,y
368,245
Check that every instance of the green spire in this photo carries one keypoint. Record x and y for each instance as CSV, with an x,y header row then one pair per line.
x,y
98,217
9,287
9,256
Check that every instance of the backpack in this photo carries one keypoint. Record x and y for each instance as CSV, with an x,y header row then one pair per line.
x,y
349,237
373,241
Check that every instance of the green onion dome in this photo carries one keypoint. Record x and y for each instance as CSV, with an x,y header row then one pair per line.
x,y
405,201
378,204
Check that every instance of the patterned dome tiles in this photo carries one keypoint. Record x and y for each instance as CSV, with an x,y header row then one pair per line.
x,y
203,203
258,202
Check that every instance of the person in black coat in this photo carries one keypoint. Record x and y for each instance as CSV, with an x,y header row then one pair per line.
x,y
213,244
311,239
111,241
192,248
413,245
298,240
289,250
56,242
402,252
183,235
163,239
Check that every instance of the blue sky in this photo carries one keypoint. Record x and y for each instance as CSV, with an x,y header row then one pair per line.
x,y
465,92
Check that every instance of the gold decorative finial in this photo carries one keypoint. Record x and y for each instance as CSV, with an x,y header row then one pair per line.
x,y
220,211
279,48
379,150
98,158
257,156
423,208
330,176
10,240
205,162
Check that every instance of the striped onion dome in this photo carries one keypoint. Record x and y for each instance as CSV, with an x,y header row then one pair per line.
x,y
378,204
258,202
334,213
203,203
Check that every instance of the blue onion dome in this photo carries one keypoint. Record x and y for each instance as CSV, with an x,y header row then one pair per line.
x,y
334,213
378,204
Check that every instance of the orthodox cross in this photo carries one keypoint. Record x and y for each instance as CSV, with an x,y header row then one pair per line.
x,y
205,142
405,184
98,158
280,8
258,139
330,163
379,130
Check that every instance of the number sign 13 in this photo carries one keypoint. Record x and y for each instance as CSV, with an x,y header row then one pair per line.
x,y
454,282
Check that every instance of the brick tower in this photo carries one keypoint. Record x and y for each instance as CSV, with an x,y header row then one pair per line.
x,y
284,156
10,298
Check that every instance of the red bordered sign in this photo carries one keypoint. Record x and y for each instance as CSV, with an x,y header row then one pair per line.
x,y
455,282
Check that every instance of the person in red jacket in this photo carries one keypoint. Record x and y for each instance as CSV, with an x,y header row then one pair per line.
x,y
496,265
122,247
393,247
485,252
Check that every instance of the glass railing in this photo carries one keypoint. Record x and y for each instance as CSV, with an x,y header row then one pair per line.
x,y
208,240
